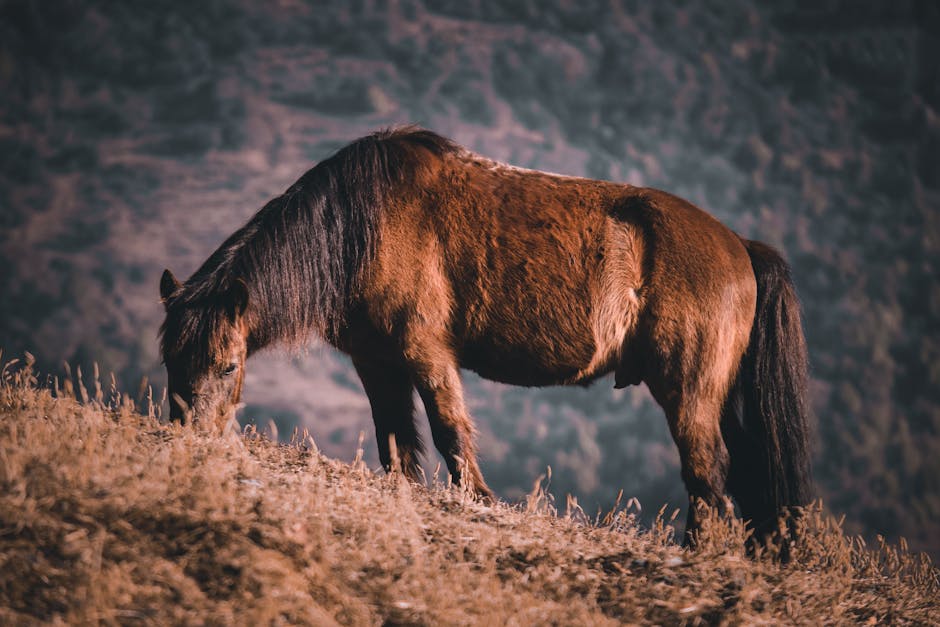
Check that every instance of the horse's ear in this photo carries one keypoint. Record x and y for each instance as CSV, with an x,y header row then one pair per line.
x,y
168,286
237,299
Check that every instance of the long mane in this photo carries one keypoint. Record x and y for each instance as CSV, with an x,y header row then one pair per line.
x,y
302,255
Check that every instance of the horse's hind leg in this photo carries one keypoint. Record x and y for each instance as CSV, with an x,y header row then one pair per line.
x,y
693,397
695,426
437,377
390,391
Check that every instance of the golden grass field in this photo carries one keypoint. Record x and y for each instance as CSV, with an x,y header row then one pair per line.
x,y
109,516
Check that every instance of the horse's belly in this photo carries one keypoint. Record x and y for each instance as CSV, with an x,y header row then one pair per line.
x,y
529,364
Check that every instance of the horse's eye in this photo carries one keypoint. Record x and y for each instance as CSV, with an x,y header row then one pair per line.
x,y
230,369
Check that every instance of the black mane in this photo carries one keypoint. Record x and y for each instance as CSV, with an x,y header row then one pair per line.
x,y
302,254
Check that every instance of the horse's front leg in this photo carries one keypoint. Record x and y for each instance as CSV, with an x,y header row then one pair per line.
x,y
388,385
437,378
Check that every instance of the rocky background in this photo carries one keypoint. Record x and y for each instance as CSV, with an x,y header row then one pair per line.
x,y
137,135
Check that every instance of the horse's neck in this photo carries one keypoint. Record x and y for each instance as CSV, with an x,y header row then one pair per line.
x,y
267,323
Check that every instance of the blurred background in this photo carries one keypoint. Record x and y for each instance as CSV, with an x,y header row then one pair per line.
x,y
137,135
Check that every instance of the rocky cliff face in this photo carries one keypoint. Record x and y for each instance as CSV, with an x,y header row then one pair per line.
x,y
138,137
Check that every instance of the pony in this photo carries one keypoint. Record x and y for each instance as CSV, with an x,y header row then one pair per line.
x,y
417,258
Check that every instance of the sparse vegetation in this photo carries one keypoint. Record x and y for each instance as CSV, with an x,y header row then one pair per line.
x,y
108,515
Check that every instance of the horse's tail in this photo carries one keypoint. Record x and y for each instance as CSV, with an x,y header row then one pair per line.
x,y
766,424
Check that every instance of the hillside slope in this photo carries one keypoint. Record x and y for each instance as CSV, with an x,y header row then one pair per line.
x,y
108,515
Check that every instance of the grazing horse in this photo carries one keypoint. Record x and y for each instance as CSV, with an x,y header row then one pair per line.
x,y
417,258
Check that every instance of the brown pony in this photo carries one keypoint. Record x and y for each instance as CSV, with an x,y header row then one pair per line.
x,y
418,258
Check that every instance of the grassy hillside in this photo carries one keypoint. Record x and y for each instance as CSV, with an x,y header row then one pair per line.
x,y
109,515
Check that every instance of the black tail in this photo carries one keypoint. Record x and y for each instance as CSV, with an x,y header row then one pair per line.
x,y
766,427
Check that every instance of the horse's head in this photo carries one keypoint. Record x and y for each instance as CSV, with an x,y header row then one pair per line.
x,y
204,346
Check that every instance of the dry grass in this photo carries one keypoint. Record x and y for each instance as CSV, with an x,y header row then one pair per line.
x,y
107,515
